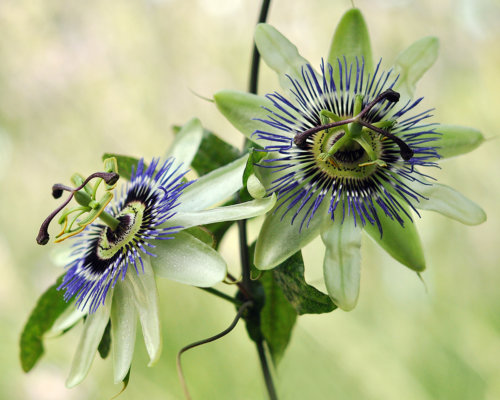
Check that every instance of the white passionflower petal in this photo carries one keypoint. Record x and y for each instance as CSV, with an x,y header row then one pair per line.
x,y
123,327
235,212
93,329
66,320
188,260
213,187
142,286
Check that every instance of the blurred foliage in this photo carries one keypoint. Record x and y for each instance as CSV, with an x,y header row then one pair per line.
x,y
79,79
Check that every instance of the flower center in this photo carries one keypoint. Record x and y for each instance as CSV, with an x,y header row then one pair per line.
x,y
111,242
351,160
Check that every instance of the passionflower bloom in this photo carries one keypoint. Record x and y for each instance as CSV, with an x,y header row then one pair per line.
x,y
112,272
346,150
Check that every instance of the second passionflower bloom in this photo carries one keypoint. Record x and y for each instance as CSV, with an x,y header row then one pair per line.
x,y
345,148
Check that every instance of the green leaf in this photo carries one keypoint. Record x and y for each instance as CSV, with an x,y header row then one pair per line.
x,y
49,306
125,164
277,317
402,243
351,40
304,298
412,63
213,153
279,54
105,344
342,262
456,140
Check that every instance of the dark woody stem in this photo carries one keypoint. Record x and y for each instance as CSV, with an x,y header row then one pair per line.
x,y
246,284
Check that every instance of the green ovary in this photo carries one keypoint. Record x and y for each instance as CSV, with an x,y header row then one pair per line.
x,y
111,242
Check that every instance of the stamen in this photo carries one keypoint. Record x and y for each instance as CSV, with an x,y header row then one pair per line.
x,y
405,150
300,138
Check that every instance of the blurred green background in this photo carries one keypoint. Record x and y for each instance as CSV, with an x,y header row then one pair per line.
x,y
78,79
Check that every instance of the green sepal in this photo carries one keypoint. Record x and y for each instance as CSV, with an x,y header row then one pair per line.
x,y
254,158
125,164
448,202
400,242
342,261
304,298
204,234
105,343
243,110
351,40
455,140
279,54
277,317
212,153
50,305
412,63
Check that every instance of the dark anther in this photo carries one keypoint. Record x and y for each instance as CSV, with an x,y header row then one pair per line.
x,y
392,96
43,233
406,152
389,95
58,189
43,236
109,177
56,193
